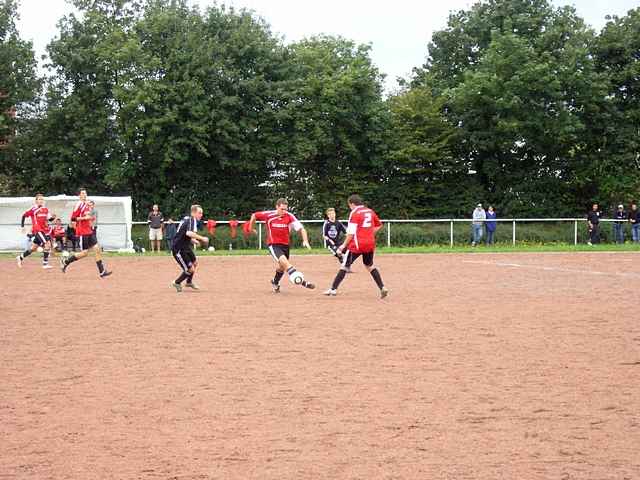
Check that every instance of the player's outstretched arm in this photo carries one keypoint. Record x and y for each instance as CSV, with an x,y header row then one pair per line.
x,y
252,224
305,238
195,236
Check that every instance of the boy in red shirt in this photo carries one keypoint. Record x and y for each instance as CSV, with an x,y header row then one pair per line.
x,y
40,229
83,217
278,223
360,240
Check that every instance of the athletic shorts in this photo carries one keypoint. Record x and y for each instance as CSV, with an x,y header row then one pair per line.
x,y
277,250
40,239
87,241
367,258
185,258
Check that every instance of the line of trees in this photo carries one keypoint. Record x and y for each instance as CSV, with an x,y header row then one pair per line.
x,y
519,104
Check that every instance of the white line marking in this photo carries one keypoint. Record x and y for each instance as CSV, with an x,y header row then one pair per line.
x,y
553,269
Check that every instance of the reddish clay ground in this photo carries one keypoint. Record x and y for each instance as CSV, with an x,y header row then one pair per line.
x,y
475,367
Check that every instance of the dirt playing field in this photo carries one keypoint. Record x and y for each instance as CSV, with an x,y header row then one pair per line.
x,y
476,366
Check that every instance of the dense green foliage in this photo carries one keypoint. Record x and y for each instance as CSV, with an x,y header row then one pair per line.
x,y
519,104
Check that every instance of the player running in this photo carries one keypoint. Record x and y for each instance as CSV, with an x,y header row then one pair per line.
x,y
182,250
84,217
40,229
279,222
360,240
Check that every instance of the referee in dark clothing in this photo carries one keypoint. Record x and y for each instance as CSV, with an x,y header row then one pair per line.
x,y
593,219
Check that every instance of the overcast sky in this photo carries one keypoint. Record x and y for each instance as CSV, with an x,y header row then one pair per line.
x,y
397,30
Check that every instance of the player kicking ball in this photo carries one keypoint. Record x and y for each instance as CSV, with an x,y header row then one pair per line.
x,y
84,218
278,223
41,230
182,248
360,240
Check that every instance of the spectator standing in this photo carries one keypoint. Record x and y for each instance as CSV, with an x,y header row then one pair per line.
x,y
479,216
593,219
155,220
491,224
170,232
618,225
634,220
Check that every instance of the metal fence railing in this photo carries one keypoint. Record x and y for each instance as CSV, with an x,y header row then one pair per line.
x,y
395,233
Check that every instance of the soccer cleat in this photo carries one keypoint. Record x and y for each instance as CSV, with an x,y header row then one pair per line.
x,y
384,292
63,265
192,286
177,286
275,286
19,260
105,273
330,293
47,266
308,285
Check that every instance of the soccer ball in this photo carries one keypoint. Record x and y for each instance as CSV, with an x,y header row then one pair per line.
x,y
296,278
65,253
143,249
40,249
212,249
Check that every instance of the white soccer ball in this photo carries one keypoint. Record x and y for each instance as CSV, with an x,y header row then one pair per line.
x,y
40,249
296,278
65,253
212,249
143,249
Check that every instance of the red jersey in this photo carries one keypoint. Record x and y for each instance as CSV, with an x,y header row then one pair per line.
x,y
278,226
39,219
57,231
362,225
83,227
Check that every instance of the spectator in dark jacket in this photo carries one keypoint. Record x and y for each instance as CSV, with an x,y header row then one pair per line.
x,y
634,220
618,225
169,232
593,220
491,224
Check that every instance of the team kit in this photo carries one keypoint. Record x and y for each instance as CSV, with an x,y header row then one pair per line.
x,y
359,241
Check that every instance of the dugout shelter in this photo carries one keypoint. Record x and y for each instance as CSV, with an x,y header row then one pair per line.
x,y
114,219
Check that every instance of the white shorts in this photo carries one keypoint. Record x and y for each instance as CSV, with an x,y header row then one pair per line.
x,y
155,234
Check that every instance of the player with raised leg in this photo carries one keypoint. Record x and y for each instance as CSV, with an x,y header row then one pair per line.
x,y
84,218
278,223
182,249
40,229
360,240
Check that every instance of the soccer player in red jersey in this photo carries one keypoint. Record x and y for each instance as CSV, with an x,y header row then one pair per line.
x,y
278,223
40,229
83,217
360,240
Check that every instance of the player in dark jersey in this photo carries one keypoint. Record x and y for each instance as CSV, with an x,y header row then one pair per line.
x,y
332,231
40,231
278,223
182,248
83,217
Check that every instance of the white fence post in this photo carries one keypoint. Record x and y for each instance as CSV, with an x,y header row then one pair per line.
x,y
259,236
575,232
451,233
388,234
513,233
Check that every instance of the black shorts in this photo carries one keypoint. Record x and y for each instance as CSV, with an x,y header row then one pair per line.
x,y
277,250
185,257
367,258
87,241
40,239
